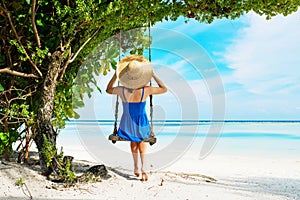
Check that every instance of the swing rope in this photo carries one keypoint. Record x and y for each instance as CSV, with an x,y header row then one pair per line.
x,y
117,101
114,137
150,96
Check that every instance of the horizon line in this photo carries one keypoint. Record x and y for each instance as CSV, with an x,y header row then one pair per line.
x,y
193,120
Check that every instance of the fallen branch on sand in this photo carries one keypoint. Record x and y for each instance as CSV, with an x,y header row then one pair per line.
x,y
190,176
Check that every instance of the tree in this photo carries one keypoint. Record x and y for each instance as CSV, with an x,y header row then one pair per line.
x,y
44,42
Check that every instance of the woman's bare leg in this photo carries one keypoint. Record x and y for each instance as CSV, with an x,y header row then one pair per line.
x,y
134,150
142,149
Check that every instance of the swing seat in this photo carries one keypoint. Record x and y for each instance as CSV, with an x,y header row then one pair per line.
x,y
114,138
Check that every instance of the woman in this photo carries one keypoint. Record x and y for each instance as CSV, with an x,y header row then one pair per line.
x,y
134,72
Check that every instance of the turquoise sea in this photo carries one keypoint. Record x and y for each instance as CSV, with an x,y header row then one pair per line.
x,y
233,137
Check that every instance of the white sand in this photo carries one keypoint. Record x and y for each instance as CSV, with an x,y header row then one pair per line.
x,y
239,174
238,177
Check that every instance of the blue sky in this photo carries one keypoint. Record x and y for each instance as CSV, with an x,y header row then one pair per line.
x,y
257,61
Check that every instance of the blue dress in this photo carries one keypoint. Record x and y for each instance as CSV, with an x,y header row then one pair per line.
x,y
134,125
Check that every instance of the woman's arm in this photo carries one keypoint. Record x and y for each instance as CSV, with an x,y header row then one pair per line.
x,y
110,89
161,86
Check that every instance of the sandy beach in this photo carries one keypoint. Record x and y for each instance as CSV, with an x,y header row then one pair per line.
x,y
251,168
236,177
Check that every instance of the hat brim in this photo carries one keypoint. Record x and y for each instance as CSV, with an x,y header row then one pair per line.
x,y
143,77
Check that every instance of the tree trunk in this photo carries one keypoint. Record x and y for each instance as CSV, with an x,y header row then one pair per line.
x,y
27,143
45,110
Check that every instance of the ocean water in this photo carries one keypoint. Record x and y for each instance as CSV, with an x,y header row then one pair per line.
x,y
176,137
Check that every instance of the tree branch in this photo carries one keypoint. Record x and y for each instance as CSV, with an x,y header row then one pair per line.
x,y
19,119
20,95
18,38
16,73
33,3
83,45
71,59
65,66
24,97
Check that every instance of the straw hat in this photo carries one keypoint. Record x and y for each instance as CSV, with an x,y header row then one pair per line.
x,y
134,71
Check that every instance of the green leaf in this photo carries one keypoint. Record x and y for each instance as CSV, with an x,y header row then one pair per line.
x,y
105,72
39,22
86,76
99,89
114,64
3,136
1,88
28,2
70,113
77,116
80,104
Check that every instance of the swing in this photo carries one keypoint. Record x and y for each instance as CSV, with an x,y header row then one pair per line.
x,y
114,136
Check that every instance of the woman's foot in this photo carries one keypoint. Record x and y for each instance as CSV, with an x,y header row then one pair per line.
x,y
144,177
136,172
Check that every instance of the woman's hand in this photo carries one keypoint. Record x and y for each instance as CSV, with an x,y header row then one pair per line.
x,y
161,89
110,85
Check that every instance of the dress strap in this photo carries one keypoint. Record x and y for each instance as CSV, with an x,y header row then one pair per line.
x,y
124,94
142,95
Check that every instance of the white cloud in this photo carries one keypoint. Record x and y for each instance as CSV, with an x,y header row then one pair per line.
x,y
265,62
265,56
